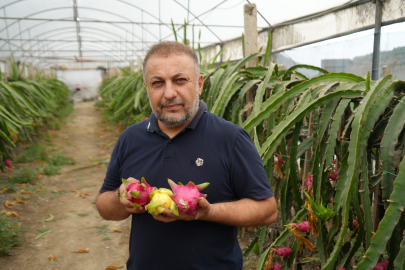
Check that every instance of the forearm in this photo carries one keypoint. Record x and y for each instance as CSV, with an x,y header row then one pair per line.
x,y
109,206
244,213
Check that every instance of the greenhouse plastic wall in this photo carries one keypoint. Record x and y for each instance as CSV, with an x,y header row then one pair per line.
x,y
352,53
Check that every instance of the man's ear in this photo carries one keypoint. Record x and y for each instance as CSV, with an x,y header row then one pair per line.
x,y
200,84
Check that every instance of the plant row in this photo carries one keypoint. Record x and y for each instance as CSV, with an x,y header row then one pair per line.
x,y
28,105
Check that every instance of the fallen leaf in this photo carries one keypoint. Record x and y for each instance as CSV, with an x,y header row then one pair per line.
x,y
36,183
4,190
83,250
17,199
26,197
58,190
51,217
40,189
8,204
18,225
87,194
52,258
113,267
55,269
118,230
24,192
22,185
72,190
10,213
42,234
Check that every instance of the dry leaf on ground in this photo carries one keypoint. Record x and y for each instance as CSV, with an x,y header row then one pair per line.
x,y
8,204
113,267
10,213
24,192
55,269
36,183
4,190
22,185
117,230
58,190
52,258
40,189
26,197
83,250
18,200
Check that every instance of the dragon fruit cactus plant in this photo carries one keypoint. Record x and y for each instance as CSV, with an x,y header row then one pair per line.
x,y
276,266
304,226
187,197
138,193
161,200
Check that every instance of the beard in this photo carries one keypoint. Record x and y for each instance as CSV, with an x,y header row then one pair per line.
x,y
173,121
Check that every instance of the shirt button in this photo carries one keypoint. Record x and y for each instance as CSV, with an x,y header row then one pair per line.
x,y
169,142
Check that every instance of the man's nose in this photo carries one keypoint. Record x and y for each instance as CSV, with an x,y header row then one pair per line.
x,y
170,91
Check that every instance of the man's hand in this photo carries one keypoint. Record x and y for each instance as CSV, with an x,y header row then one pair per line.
x,y
203,213
129,206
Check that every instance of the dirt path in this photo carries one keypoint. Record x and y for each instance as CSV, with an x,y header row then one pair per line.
x,y
76,223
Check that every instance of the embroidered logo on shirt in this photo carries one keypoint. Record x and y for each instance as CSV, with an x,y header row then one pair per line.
x,y
199,161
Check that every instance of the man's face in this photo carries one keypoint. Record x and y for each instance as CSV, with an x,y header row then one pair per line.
x,y
173,88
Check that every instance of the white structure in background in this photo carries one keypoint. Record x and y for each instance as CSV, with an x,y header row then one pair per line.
x,y
87,80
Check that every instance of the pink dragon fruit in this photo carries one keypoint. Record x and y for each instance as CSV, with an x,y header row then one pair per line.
x,y
334,175
355,224
341,268
308,181
283,251
304,227
381,266
187,197
138,193
8,163
276,266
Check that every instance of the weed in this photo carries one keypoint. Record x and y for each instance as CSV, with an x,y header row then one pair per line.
x,y
64,111
10,234
24,175
106,238
63,217
34,152
50,169
83,214
59,160
102,229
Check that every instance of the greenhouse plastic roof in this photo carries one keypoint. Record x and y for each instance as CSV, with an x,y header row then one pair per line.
x,y
51,33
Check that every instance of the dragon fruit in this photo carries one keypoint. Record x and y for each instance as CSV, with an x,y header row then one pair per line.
x,y
187,197
308,181
381,266
341,268
334,175
355,224
276,266
138,193
8,163
160,200
283,251
304,227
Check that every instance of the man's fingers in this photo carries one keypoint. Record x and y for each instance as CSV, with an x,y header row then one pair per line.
x,y
133,180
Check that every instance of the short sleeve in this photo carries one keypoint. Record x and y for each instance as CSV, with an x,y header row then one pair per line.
x,y
112,178
248,176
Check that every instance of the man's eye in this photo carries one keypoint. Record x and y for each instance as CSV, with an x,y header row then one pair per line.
x,y
156,83
181,80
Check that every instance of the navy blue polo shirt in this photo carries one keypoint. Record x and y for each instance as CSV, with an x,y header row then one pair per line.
x,y
209,149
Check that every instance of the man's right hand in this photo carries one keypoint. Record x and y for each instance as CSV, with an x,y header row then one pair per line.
x,y
129,206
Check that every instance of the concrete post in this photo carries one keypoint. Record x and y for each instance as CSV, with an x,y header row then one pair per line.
x,y
251,45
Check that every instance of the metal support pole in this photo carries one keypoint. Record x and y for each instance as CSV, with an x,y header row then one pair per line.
x,y
160,30
377,37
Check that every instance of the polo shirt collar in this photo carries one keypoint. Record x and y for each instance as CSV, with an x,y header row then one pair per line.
x,y
153,122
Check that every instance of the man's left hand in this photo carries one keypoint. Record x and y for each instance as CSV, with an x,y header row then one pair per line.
x,y
203,213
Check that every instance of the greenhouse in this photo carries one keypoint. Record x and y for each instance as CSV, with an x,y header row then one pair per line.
x,y
236,134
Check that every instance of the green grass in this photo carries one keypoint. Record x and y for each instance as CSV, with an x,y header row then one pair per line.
x,y
10,234
23,175
83,214
60,160
102,229
50,169
34,152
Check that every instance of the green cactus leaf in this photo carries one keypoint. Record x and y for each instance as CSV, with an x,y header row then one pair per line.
x,y
399,263
355,153
391,133
291,69
272,141
275,101
388,223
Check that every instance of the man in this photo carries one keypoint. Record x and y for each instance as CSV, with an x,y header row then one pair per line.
x,y
184,142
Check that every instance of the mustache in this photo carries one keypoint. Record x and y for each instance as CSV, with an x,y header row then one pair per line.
x,y
171,101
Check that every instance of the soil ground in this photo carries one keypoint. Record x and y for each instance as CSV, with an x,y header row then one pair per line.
x,y
76,223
